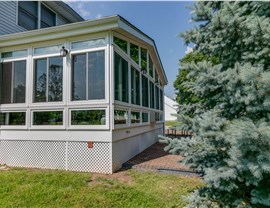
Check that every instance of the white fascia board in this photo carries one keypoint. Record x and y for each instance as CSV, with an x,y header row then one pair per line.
x,y
63,31
80,28
126,26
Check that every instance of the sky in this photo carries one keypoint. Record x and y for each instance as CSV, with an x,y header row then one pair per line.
x,y
162,21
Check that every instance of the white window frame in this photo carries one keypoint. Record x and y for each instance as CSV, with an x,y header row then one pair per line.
x,y
135,111
138,69
124,56
46,103
48,127
148,122
90,127
71,102
11,59
120,126
12,127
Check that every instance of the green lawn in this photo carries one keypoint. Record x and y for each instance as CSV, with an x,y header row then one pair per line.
x,y
51,188
172,123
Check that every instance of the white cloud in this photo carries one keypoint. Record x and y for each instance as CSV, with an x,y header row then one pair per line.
x,y
188,50
80,6
99,16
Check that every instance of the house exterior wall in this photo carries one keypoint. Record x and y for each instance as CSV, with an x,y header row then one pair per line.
x,y
9,15
125,147
67,146
170,109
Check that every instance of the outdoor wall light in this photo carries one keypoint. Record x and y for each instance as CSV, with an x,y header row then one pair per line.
x,y
63,51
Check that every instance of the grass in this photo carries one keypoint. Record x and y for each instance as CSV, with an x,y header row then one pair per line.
x,y
172,123
53,188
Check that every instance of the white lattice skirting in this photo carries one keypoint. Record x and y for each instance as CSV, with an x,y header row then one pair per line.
x,y
103,157
75,156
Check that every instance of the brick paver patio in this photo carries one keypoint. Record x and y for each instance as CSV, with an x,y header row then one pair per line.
x,y
155,158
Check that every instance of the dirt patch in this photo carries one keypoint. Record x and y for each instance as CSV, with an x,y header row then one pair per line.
x,y
4,167
110,179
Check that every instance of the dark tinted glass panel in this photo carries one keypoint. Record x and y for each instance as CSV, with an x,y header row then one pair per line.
x,y
48,118
157,97
121,43
14,54
150,67
12,118
55,84
145,91
28,14
96,75
47,17
135,86
134,53
40,80
145,117
157,117
121,78
19,79
135,117
120,117
6,83
152,95
88,117
143,59
161,99
79,77
156,76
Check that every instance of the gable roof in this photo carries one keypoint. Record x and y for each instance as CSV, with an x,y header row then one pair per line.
x,y
65,10
111,23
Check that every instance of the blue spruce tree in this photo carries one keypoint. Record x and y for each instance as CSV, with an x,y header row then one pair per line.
x,y
231,123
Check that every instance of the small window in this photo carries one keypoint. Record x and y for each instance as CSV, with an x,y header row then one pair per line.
x,y
157,116
88,44
28,14
47,50
157,97
145,93
120,117
161,99
151,71
12,118
88,76
134,53
48,18
152,95
120,43
48,118
14,54
121,88
144,59
135,117
88,117
156,77
145,117
160,116
48,83
135,86
13,82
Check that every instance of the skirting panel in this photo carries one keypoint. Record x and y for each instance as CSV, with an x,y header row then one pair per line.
x,y
125,149
75,156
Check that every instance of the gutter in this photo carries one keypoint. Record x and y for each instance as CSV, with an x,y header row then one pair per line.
x,y
78,28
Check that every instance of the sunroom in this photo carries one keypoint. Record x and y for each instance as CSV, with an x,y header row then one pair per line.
x,y
86,96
